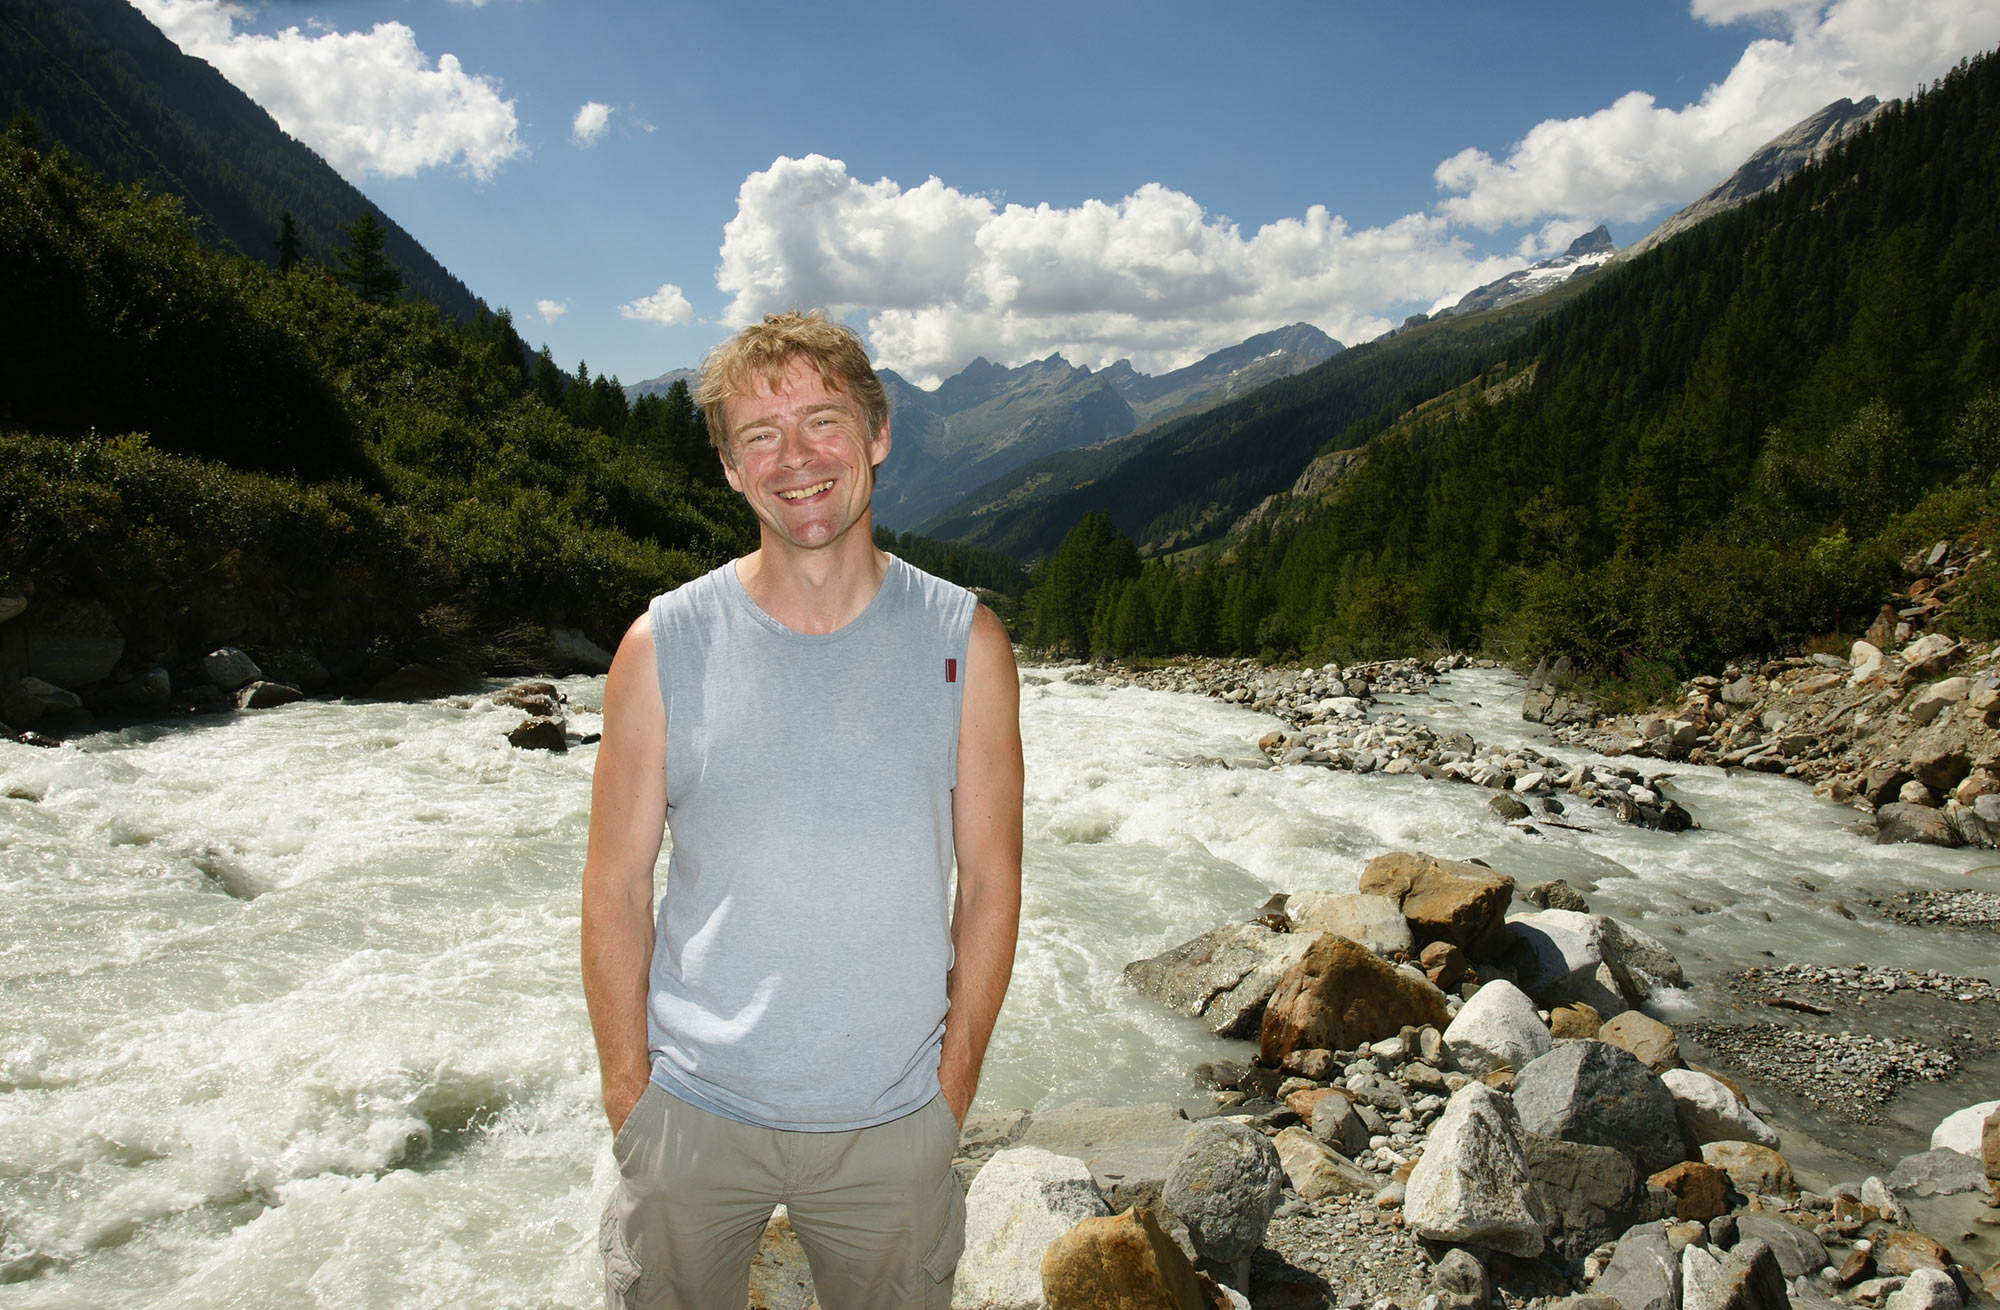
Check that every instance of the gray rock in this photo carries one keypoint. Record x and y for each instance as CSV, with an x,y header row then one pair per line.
x,y
230,669
1555,894
1645,1271
1316,1170
1022,1200
73,643
1224,1184
1337,1122
1374,921
576,651
1710,1112
31,700
1593,1092
1589,1194
1925,1289
1127,1148
1558,958
1497,1028
1461,1282
1746,1278
1225,976
1963,1130
1472,1183
1799,1253
1939,1172
267,695
1553,697
1509,807
1900,821
149,690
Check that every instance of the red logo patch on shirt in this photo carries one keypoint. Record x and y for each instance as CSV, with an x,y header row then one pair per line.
x,y
951,670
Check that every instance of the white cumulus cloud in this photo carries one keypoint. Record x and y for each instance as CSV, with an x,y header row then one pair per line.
x,y
1636,158
940,276
551,310
588,127
369,102
667,307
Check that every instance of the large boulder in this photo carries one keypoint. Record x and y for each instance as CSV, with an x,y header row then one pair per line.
x,y
267,695
1316,1170
230,669
1024,1199
1224,977
1123,1262
1746,1278
1472,1184
1224,1185
31,700
1498,1028
573,650
1374,921
148,691
1341,995
1962,1130
1900,821
1752,1169
1589,1194
1710,1112
1553,695
1645,1270
1644,1036
1925,1289
73,643
1800,1254
1561,957
1129,1148
1594,1092
1443,900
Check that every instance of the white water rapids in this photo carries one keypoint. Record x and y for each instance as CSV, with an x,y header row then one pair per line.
x,y
289,1009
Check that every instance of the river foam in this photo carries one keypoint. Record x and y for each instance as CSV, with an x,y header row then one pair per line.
x,y
289,1010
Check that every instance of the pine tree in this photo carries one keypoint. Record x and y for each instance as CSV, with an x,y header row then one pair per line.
x,y
289,250
364,266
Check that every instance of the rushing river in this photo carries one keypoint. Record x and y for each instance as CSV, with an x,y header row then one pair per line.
x,y
289,1010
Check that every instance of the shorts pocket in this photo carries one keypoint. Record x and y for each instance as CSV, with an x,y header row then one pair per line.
x,y
942,1260
621,1269
621,1141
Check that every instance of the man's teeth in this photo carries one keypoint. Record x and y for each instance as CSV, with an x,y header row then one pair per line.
x,y
803,492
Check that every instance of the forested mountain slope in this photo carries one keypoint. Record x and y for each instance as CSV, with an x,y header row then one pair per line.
x,y
1185,482
98,77
1719,448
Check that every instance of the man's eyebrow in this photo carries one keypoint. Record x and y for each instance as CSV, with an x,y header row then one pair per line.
x,y
771,420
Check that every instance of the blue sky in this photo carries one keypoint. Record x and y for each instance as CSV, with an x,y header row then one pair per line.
x,y
1103,180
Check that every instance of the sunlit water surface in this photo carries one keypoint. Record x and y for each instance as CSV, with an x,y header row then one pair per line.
x,y
289,1010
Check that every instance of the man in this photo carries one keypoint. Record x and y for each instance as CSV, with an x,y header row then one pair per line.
x,y
825,730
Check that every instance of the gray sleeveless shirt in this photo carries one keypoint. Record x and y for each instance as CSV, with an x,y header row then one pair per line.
x,y
798,976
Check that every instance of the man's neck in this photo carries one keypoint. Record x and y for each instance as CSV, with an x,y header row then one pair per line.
x,y
815,591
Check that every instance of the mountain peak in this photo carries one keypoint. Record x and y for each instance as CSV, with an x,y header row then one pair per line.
x,y
1597,241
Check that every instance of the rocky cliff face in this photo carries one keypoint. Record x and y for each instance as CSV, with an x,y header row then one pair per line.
x,y
1776,160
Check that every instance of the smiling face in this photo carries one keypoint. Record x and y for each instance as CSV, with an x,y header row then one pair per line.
x,y
802,455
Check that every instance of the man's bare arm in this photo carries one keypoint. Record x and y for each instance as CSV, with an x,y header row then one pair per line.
x,y
986,827
628,814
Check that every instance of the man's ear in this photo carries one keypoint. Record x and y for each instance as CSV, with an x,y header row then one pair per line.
x,y
880,446
729,471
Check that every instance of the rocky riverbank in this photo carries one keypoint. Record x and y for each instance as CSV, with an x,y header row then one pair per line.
x,y
1456,1105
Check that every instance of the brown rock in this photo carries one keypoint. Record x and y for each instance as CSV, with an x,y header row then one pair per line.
x,y
1940,767
538,734
1904,1251
1445,965
1342,995
1123,1262
1444,900
1883,783
1752,1169
1644,1036
1989,1145
1857,1265
1317,1065
538,698
1304,1103
1700,1190
1575,1020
